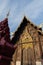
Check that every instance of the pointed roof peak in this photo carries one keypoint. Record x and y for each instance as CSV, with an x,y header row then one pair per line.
x,y
4,21
25,17
8,14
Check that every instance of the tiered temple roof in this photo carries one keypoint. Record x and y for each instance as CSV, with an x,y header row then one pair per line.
x,y
6,45
21,27
20,37
6,48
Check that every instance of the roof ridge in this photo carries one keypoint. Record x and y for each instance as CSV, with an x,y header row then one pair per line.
x,y
29,22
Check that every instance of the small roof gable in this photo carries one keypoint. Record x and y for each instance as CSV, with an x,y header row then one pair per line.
x,y
20,29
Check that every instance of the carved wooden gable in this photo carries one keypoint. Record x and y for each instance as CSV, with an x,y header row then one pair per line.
x,y
28,43
26,39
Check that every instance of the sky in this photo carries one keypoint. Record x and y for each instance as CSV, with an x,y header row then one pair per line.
x,y
32,9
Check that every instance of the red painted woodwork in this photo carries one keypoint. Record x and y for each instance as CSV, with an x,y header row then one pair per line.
x,y
6,47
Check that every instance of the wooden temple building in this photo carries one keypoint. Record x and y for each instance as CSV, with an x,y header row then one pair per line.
x,y
29,44
6,47
29,40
